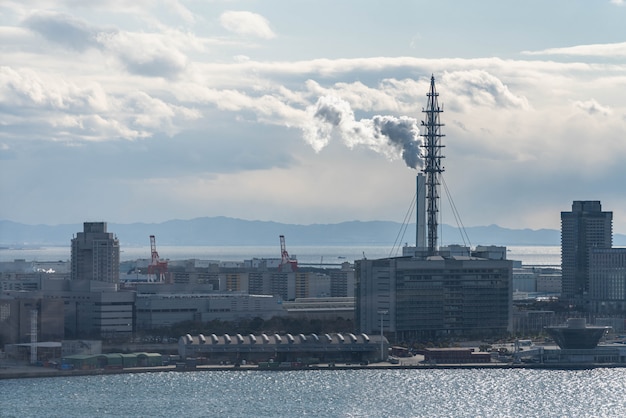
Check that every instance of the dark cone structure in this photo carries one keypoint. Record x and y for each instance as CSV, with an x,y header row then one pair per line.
x,y
576,334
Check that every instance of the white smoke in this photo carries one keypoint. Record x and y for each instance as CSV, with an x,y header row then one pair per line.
x,y
388,135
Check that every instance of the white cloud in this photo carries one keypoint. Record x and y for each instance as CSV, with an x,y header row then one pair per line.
x,y
611,50
144,54
73,111
593,107
63,29
28,89
480,88
247,24
93,128
155,115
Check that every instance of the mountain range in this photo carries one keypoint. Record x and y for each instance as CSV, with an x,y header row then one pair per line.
x,y
238,232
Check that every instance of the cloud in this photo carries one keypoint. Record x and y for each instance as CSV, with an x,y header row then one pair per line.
x,y
156,115
144,54
148,54
54,108
247,24
63,29
477,87
174,102
29,90
610,50
592,107
181,11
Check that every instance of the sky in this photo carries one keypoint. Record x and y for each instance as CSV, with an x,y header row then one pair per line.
x,y
300,111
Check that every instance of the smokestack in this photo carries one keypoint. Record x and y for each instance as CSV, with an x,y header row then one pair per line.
x,y
420,212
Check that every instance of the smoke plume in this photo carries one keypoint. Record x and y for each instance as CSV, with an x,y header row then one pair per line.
x,y
387,135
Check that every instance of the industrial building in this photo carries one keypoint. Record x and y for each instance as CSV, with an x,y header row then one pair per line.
x,y
27,317
112,361
163,309
262,277
193,290
454,355
434,292
321,308
300,348
541,280
415,298
92,308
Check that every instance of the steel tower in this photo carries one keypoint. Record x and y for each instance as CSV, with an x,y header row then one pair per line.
x,y
432,162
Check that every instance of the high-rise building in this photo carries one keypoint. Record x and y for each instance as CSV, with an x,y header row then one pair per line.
x,y
95,254
584,228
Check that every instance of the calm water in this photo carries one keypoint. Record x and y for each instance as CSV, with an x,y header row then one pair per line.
x,y
349,393
529,255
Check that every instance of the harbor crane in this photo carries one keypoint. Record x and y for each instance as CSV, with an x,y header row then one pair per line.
x,y
286,263
157,267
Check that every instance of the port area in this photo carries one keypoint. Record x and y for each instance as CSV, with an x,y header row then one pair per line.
x,y
19,371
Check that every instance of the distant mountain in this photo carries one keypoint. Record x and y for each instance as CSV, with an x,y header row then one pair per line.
x,y
237,232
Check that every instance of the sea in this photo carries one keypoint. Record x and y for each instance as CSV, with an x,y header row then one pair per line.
x,y
311,255
323,393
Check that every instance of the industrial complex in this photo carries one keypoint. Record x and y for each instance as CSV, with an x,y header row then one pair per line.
x,y
429,294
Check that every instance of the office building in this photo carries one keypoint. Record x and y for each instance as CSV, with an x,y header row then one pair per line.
x,y
342,281
584,228
95,254
607,280
424,298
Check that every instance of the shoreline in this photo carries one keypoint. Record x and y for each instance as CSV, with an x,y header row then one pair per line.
x,y
23,372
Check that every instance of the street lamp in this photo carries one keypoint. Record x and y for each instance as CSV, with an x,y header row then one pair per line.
x,y
382,312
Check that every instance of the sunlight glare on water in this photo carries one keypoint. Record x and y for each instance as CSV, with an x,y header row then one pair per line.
x,y
337,393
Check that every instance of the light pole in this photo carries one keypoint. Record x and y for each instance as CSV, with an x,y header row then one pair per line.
x,y
382,312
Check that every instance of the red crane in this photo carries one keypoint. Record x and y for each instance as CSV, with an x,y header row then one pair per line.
x,y
157,267
285,259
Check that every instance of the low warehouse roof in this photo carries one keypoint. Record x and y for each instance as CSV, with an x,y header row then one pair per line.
x,y
188,344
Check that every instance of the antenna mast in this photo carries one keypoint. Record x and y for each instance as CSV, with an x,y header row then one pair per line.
x,y
432,168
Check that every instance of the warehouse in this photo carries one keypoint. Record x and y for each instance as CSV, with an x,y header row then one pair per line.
x,y
311,348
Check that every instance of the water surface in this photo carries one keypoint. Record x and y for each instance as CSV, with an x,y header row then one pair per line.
x,y
321,393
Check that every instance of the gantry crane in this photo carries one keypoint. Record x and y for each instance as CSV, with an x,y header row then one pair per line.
x,y
286,263
157,267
